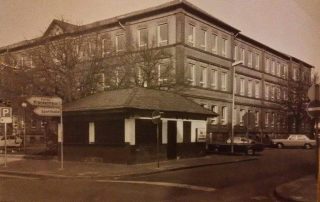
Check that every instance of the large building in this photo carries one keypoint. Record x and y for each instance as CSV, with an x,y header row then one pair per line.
x,y
203,49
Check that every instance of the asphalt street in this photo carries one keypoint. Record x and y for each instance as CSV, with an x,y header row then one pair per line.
x,y
244,181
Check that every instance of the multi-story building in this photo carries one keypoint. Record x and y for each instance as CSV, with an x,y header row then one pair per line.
x,y
203,48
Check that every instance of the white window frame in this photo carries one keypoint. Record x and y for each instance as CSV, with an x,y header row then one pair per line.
x,y
192,39
235,53
250,58
266,119
257,61
215,43
241,119
278,69
242,86
118,42
250,88
267,65
257,118
224,47
224,115
273,67
203,72
242,54
204,45
257,89
266,91
139,38
160,41
192,70
214,78
224,78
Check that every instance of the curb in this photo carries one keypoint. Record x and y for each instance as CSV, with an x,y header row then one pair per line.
x,y
40,175
181,168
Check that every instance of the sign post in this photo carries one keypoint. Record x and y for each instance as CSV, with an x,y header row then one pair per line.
x,y
50,106
156,118
5,117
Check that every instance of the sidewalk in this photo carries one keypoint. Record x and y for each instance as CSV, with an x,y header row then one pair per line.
x,y
50,167
303,189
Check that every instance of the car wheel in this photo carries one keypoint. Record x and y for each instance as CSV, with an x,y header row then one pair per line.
x,y
307,146
279,145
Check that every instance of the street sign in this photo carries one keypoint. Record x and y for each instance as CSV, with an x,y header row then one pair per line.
x,y
314,92
46,111
156,117
45,101
5,115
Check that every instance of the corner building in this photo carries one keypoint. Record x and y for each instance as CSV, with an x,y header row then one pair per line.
x,y
203,48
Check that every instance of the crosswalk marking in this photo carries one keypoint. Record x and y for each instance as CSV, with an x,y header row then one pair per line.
x,y
166,184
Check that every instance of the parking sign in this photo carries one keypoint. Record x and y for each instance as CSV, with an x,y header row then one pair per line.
x,y
5,115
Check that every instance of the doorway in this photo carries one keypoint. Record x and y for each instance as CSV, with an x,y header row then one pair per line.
x,y
172,140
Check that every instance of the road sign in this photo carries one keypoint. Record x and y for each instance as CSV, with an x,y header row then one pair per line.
x,y
5,115
45,101
314,92
313,109
156,117
47,111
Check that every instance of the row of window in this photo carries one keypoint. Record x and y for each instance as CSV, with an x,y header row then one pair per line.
x,y
206,40
206,77
248,87
271,119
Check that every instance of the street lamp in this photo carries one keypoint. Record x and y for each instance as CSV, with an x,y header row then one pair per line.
x,y
24,105
234,65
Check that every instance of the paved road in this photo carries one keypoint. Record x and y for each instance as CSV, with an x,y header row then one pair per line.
x,y
246,181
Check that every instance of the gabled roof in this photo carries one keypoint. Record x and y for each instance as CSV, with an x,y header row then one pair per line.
x,y
66,27
137,98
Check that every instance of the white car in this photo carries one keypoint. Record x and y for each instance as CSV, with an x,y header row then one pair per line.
x,y
240,140
295,140
12,141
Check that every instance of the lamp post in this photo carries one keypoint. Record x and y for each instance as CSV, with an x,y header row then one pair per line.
x,y
234,65
24,105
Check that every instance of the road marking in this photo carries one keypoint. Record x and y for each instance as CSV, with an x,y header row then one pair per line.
x,y
166,184
19,177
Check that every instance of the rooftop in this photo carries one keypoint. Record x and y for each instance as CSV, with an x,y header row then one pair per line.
x,y
137,98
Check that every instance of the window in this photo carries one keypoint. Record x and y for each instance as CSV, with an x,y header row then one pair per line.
x,y
162,34
203,77
285,71
224,47
257,89
43,124
266,119
224,115
257,118
214,79
100,80
191,34
257,61
214,108
267,65
191,74
273,66
120,43
214,43
294,75
242,86
235,54
224,81
250,88
266,91
105,48
278,69
278,93
285,97
242,113
273,119
249,59
242,54
272,92
162,74
203,39
21,61
142,37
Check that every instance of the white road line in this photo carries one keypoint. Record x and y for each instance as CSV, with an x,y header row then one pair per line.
x,y
19,177
166,184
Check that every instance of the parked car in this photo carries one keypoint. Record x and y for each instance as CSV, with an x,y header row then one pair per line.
x,y
12,141
241,145
294,140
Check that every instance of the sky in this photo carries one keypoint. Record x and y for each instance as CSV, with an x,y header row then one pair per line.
x,y
289,26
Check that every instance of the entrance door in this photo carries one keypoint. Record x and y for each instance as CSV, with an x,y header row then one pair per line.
x,y
172,140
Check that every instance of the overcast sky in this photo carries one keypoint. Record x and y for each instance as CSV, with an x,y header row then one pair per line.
x,y
290,26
